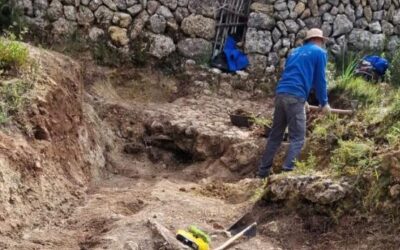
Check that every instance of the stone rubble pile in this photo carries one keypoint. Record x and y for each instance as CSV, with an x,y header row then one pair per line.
x,y
189,26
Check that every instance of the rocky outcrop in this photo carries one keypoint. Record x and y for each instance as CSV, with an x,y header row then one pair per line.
x,y
317,189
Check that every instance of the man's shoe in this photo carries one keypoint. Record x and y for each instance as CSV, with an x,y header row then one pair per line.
x,y
263,176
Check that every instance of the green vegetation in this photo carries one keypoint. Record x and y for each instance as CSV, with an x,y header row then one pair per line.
x,y
359,89
12,97
306,166
13,54
261,121
393,73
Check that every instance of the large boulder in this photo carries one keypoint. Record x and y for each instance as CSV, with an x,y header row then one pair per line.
x,y
199,26
258,41
40,7
195,48
341,25
110,4
261,21
393,43
135,9
161,46
363,39
119,36
258,63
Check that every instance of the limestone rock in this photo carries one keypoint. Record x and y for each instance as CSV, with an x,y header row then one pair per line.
x,y
334,2
164,11
181,13
130,3
172,4
361,23
387,28
306,14
258,41
95,4
280,5
327,29
375,27
40,7
27,6
95,34
199,26
292,26
396,17
194,48
261,21
121,4
85,16
350,13
85,2
313,5
135,9
368,13
342,25
328,18
152,7
63,27
119,36
276,34
324,192
70,13
110,4
362,39
138,24
203,7
55,10
103,15
183,3
300,7
373,4
158,23
258,63
325,8
313,22
122,19
359,11
282,15
161,46
262,8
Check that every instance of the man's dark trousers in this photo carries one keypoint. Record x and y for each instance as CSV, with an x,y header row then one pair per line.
x,y
289,112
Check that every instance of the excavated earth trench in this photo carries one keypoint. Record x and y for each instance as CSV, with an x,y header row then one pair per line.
x,y
89,164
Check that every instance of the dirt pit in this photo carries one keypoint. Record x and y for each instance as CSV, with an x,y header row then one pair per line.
x,y
141,181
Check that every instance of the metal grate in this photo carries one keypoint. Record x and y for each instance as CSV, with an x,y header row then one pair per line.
x,y
232,18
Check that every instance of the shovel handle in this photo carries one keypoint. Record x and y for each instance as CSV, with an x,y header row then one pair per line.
x,y
235,237
336,111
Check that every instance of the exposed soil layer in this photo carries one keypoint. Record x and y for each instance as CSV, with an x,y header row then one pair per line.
x,y
104,159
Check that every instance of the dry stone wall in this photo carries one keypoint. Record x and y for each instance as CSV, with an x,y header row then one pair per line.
x,y
188,26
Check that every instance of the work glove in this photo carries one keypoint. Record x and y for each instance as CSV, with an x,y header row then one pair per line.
x,y
326,109
307,107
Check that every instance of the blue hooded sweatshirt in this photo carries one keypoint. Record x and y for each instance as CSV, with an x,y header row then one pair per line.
x,y
305,70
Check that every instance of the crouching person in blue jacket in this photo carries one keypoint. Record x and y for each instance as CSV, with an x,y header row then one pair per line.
x,y
304,70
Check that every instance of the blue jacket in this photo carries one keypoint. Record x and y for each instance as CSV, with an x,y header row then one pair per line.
x,y
305,70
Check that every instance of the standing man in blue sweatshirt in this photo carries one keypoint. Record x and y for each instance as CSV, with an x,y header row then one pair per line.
x,y
304,70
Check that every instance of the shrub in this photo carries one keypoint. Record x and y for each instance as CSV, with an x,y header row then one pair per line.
x,y
13,97
359,89
393,73
13,54
351,156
